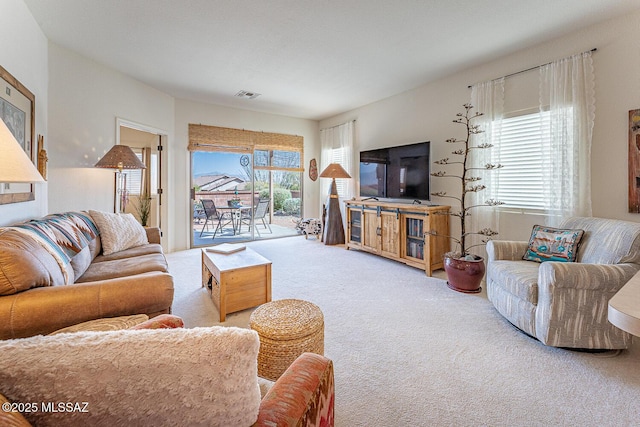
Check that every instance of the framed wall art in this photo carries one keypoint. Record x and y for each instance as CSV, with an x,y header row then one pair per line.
x,y
17,110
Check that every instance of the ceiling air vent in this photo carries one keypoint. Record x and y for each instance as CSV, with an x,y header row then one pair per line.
x,y
247,95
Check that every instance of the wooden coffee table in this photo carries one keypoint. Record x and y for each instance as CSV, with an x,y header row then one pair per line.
x,y
238,281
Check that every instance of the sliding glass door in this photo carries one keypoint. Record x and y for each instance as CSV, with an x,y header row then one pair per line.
x,y
240,196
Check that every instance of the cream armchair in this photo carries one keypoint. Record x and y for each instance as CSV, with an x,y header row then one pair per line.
x,y
564,304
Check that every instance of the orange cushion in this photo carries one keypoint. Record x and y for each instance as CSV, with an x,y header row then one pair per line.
x,y
163,321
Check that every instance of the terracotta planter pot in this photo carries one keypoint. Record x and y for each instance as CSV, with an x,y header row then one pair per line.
x,y
464,275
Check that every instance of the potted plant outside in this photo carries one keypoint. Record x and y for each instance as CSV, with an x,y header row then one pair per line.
x,y
464,269
234,202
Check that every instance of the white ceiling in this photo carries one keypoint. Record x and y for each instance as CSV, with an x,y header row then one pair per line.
x,y
307,58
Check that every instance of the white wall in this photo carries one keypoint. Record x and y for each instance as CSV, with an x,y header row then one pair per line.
x,y
85,99
212,115
78,100
426,113
23,53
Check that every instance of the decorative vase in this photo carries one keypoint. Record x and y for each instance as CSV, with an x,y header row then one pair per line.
x,y
464,275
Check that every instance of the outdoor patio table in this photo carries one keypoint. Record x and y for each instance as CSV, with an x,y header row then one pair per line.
x,y
236,215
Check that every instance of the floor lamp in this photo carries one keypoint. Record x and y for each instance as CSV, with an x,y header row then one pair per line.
x,y
334,231
15,165
120,157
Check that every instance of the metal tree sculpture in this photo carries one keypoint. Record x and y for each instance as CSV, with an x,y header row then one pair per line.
x,y
468,182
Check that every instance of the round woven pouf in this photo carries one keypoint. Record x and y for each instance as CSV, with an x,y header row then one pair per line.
x,y
287,328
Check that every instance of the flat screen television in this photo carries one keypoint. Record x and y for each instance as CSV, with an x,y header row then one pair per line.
x,y
400,172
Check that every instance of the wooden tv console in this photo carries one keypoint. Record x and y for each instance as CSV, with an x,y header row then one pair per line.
x,y
400,231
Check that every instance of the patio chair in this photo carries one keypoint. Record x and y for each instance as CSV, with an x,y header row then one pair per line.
x,y
259,213
198,212
215,216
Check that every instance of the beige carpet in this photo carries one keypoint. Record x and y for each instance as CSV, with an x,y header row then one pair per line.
x,y
408,351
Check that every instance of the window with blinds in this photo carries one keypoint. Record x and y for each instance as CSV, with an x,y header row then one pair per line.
x,y
523,142
134,176
337,155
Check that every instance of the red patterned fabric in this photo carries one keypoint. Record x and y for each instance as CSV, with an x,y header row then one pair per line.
x,y
303,396
163,321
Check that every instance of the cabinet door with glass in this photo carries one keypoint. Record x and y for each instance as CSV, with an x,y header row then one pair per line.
x,y
354,227
414,228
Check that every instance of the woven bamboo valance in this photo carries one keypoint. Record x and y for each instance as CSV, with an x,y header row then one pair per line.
x,y
215,138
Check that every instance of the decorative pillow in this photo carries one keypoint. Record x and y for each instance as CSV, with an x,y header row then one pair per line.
x,y
162,377
553,244
119,231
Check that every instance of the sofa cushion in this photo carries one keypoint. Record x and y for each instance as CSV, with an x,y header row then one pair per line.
x,y
125,267
553,244
151,248
162,377
519,278
25,264
118,231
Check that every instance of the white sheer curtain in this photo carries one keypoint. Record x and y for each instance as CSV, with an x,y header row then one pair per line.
x,y
337,147
488,99
567,87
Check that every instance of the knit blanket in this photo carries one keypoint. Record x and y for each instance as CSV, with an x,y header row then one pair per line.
x,y
62,235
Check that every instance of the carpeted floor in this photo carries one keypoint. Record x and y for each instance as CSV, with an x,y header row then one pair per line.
x,y
408,351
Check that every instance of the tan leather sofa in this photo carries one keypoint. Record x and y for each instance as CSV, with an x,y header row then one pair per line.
x,y
34,298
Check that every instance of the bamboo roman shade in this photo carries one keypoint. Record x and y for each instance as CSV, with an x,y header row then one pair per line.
x,y
215,138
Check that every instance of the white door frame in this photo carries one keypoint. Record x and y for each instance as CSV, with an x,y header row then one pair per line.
x,y
163,170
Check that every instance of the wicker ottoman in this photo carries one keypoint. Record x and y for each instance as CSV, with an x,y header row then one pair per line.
x,y
287,328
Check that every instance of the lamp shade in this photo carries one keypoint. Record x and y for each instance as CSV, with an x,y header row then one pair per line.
x,y
15,165
120,157
334,170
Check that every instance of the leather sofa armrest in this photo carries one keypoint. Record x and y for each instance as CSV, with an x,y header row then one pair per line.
x,y
153,234
303,395
48,309
11,418
507,250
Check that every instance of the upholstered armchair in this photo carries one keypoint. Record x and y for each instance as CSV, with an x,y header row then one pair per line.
x,y
564,304
136,371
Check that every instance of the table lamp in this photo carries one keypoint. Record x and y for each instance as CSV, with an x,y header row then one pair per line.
x,y
120,157
15,165
334,231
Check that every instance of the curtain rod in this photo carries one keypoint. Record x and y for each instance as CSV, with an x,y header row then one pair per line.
x,y
529,69
331,127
